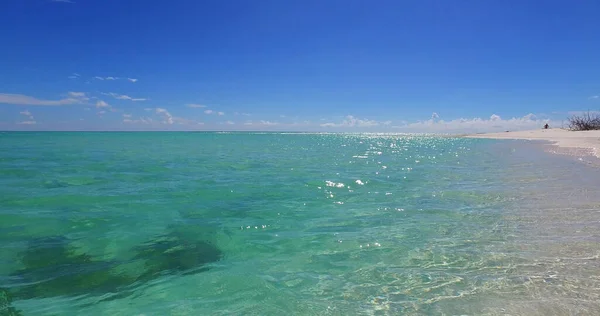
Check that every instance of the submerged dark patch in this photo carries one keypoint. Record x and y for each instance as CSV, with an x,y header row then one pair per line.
x,y
5,304
172,254
52,267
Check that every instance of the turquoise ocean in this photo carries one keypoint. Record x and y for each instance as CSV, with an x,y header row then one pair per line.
x,y
294,224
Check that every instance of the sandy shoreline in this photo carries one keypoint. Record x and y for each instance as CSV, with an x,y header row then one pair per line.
x,y
588,141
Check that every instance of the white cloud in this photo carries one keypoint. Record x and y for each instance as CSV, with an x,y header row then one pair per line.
x,y
261,123
19,99
101,112
141,120
197,106
102,104
229,122
115,78
351,121
208,111
493,123
74,76
243,114
78,95
124,97
168,118
29,115
594,97
221,113
27,123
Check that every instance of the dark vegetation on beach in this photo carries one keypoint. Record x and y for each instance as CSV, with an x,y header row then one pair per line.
x,y
51,267
588,121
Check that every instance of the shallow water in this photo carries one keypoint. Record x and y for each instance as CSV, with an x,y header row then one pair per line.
x,y
310,224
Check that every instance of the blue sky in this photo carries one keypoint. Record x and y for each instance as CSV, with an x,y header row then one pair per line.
x,y
327,65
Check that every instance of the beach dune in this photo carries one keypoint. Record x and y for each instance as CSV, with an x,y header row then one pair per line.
x,y
587,140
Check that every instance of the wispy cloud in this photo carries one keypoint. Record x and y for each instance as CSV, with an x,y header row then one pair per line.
x,y
195,106
351,121
74,76
491,124
242,114
111,78
102,104
19,99
261,123
209,112
78,95
230,122
594,97
30,120
141,120
124,97
168,118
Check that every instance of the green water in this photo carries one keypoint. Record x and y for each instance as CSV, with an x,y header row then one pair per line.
x,y
271,224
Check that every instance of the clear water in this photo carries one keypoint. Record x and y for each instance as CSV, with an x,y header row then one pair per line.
x,y
299,224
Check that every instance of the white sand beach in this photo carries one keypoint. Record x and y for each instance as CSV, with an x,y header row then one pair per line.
x,y
575,142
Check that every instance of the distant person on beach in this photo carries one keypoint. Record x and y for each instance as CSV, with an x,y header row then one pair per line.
x,y
546,126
